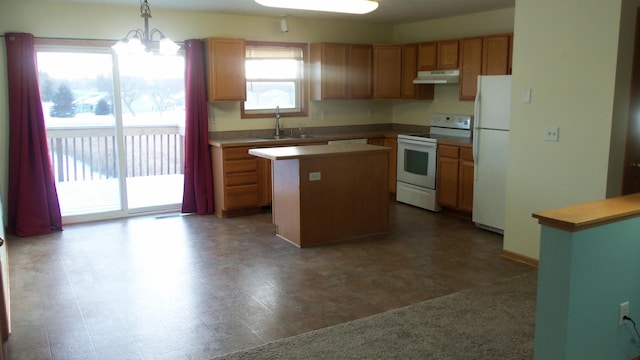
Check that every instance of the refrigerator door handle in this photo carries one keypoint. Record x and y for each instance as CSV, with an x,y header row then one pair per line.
x,y
476,133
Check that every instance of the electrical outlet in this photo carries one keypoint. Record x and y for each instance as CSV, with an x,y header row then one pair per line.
x,y
624,311
551,133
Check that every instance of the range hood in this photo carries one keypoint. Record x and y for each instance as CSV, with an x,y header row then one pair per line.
x,y
438,77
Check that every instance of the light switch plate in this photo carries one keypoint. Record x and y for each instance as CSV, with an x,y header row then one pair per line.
x,y
526,95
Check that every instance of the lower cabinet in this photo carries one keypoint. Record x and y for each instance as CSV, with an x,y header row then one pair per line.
x,y
241,182
455,177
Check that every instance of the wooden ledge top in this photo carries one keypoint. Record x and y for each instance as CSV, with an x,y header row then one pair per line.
x,y
297,152
584,216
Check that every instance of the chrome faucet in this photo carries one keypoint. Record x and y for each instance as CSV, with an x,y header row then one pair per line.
x,y
277,121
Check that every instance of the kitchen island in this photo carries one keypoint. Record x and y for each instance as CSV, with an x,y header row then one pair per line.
x,y
328,193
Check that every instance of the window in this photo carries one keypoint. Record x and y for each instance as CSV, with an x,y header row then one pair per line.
x,y
275,78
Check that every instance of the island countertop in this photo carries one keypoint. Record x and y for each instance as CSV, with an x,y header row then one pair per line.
x,y
296,152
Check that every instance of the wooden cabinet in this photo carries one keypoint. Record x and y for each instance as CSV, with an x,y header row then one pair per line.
x,y
409,71
489,55
466,178
242,182
427,56
236,176
496,55
387,71
470,67
438,55
341,71
447,55
455,177
225,69
360,71
235,179
376,141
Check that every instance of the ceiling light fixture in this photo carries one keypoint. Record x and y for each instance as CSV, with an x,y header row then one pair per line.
x,y
341,6
141,41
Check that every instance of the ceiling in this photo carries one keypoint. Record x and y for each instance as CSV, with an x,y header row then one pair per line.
x,y
389,11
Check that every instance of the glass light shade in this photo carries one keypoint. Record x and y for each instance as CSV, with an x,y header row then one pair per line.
x,y
131,46
168,47
341,6
134,46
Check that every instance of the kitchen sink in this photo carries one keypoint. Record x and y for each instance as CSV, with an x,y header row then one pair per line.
x,y
276,137
286,137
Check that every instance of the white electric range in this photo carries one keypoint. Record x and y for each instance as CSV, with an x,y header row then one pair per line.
x,y
417,159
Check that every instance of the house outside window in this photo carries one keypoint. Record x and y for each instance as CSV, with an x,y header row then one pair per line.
x,y
275,78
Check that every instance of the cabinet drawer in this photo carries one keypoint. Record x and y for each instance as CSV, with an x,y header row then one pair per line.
x,y
237,153
241,166
448,151
241,196
246,178
466,153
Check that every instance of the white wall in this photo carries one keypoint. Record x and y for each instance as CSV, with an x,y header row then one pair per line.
x,y
566,52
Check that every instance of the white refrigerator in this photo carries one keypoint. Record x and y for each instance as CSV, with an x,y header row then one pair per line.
x,y
490,151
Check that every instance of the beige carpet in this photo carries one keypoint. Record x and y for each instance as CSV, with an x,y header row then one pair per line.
x,y
494,321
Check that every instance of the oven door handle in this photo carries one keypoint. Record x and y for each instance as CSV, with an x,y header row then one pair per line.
x,y
421,143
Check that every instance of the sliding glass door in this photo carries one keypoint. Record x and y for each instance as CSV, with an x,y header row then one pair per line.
x,y
153,113
115,131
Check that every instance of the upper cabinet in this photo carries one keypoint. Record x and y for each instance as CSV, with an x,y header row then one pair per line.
x,y
409,70
438,55
225,69
489,55
447,55
360,71
470,67
341,71
387,76
496,55
394,69
427,56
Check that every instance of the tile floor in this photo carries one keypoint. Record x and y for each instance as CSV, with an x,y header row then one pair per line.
x,y
194,287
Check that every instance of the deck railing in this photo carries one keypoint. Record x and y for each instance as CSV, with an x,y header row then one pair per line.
x,y
89,153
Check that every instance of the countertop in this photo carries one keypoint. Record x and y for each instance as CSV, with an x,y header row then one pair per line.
x,y
287,140
296,152
583,216
298,140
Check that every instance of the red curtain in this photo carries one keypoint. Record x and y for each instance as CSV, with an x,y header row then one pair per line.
x,y
33,200
198,178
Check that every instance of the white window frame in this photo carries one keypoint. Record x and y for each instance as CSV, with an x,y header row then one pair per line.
x,y
300,83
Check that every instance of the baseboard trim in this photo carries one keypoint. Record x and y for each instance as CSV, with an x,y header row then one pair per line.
x,y
510,255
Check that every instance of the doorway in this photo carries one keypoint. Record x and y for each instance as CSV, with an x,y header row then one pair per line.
x,y
115,127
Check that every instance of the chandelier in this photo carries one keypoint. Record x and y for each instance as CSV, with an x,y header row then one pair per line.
x,y
140,41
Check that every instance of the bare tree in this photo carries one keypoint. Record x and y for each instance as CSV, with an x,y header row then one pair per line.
x,y
130,91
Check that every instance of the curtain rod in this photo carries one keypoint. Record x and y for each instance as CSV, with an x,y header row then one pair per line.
x,y
44,38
